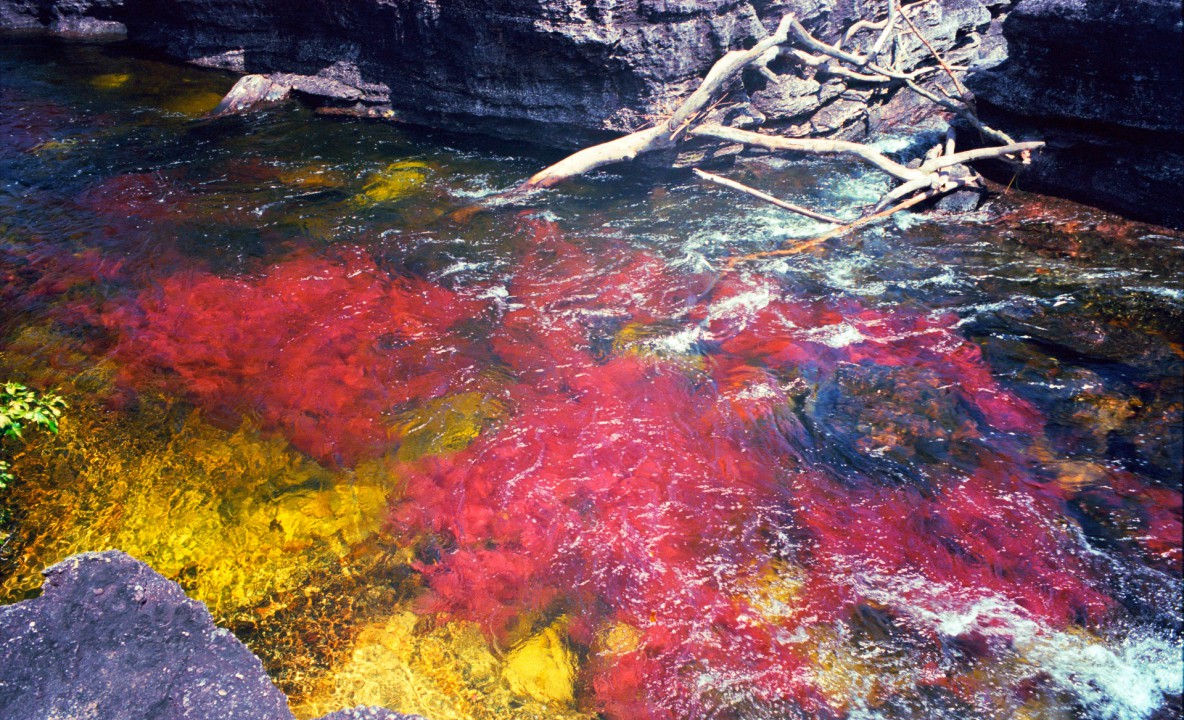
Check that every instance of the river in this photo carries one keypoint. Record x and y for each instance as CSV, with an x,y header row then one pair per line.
x,y
422,448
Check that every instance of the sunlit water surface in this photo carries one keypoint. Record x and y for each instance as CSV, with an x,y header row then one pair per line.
x,y
422,449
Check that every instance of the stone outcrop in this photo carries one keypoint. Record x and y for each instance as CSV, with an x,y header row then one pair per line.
x,y
111,639
1103,82
1100,80
557,71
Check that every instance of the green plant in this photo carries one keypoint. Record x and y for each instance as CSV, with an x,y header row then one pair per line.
x,y
21,407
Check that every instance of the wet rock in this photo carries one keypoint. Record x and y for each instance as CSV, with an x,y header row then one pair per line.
x,y
250,93
961,201
1103,83
111,638
80,18
901,425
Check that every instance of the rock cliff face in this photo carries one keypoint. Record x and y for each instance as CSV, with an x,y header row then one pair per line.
x,y
557,71
1103,82
111,638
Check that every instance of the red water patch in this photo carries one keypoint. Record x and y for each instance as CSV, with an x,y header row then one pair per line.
x,y
634,489
322,350
152,196
26,123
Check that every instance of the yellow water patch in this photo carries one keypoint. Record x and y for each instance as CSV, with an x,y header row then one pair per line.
x,y
110,81
774,590
619,639
395,182
234,517
543,667
445,425
193,104
445,672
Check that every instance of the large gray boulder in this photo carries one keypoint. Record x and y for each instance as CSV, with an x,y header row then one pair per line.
x,y
111,639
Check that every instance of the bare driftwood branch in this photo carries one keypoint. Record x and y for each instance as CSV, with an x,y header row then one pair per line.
x,y
942,169
725,182
805,245
662,135
815,146
940,60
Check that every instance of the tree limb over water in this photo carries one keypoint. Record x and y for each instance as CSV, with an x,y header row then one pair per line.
x,y
942,171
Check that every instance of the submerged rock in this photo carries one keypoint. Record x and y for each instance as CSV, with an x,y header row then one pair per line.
x,y
110,638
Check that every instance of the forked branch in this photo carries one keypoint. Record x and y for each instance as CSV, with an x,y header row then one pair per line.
x,y
941,171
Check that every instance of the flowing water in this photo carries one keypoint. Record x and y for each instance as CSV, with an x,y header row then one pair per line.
x,y
423,449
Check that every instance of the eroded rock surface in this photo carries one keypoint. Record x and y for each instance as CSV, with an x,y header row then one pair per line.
x,y
1103,82
111,639
556,71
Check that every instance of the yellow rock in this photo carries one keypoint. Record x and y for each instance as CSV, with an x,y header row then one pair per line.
x,y
542,667
110,81
445,425
193,104
395,182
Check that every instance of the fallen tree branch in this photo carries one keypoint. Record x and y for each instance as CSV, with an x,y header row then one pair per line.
x,y
725,182
940,60
837,232
815,146
662,135
942,170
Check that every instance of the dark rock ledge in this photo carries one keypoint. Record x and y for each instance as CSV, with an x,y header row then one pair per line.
x,y
111,639
1101,81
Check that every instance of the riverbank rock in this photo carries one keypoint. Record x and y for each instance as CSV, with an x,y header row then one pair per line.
x,y
110,638
1103,82
560,72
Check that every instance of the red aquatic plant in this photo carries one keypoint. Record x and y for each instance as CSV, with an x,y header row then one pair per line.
x,y
320,349
645,489
155,196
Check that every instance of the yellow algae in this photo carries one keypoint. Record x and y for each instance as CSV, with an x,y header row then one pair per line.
x,y
445,672
543,667
110,81
395,182
849,675
1105,413
645,340
619,639
1076,475
193,104
54,146
773,592
445,425
234,517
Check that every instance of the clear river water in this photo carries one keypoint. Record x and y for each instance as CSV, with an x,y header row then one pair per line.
x,y
425,449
